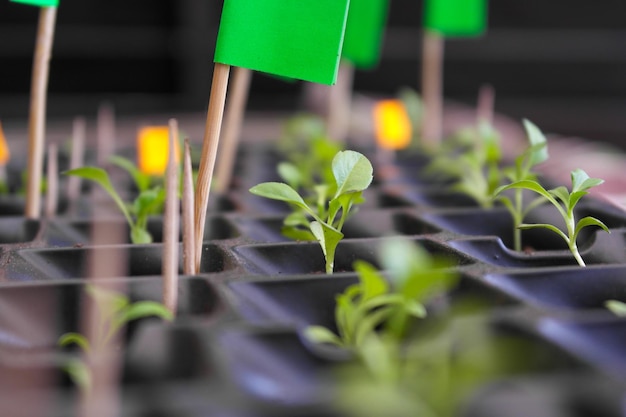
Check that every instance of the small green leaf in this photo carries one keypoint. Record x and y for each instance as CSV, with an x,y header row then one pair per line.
x,y
329,238
525,226
588,221
617,307
279,191
574,198
290,174
139,235
562,194
319,334
353,172
141,309
80,373
372,282
528,185
582,182
415,308
74,338
538,143
142,181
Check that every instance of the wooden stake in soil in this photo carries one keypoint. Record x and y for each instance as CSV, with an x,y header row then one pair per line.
x,y
189,253
77,158
52,192
235,108
432,87
106,133
171,225
484,108
37,117
210,142
340,105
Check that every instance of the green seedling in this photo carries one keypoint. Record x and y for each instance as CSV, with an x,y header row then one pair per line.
x,y
565,202
522,170
148,202
113,311
616,307
352,174
374,302
415,109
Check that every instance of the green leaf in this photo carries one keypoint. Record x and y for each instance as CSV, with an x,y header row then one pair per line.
x,y
528,185
142,181
290,174
372,282
415,308
588,221
329,238
403,258
279,191
562,194
538,143
582,182
138,310
139,235
101,177
617,307
574,198
525,226
353,172
319,334
74,338
80,373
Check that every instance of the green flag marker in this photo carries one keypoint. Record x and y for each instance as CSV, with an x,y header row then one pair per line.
x,y
40,3
291,38
364,32
456,17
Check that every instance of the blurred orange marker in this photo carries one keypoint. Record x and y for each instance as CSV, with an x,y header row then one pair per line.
x,y
153,149
392,125
5,154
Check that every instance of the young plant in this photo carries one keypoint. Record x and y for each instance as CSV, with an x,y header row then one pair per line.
x,y
522,170
113,311
149,202
323,221
565,202
374,302
616,307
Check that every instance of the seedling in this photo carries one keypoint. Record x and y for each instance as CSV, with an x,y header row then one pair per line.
x,y
113,311
352,174
372,303
565,202
148,202
521,171
616,307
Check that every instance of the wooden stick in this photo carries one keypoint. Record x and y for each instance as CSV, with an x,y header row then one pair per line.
x,y
77,157
170,225
340,103
212,129
106,133
235,108
486,99
432,87
52,192
37,116
189,239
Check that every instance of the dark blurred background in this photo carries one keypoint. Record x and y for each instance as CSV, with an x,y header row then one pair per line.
x,y
561,63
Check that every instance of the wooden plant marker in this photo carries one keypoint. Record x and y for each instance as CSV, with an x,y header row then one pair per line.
x,y
278,37
189,239
235,110
77,158
485,106
37,110
171,222
443,18
52,192
105,138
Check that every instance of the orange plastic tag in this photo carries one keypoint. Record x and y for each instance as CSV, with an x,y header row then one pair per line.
x,y
392,124
153,149
5,153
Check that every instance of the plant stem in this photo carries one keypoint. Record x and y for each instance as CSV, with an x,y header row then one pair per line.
x,y
517,219
574,249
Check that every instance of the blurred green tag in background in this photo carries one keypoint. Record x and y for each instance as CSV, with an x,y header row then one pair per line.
x,y
456,17
364,32
290,38
40,3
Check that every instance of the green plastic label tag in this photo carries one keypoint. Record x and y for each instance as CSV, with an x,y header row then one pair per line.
x,y
364,32
292,38
40,3
456,17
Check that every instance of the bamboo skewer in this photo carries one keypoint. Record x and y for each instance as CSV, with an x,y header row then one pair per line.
x,y
189,253
432,87
340,103
235,109
171,225
77,158
37,112
106,133
215,113
52,192
486,99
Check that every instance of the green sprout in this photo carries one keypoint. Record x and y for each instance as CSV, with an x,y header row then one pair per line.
x,y
373,302
522,170
113,311
616,307
352,174
565,202
149,201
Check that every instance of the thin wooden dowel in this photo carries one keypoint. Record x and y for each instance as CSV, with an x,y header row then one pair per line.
x,y
485,106
171,224
340,103
37,116
235,109
432,88
52,192
189,238
213,126
105,146
77,157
